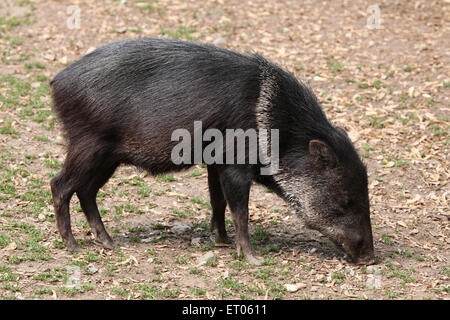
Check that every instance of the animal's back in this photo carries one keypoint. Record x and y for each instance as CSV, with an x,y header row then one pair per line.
x,y
157,75
143,89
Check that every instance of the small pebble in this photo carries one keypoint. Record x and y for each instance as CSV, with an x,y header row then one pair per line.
x,y
196,241
294,287
180,228
209,256
92,269
219,40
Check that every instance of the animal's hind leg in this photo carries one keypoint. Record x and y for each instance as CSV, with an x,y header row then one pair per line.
x,y
63,187
87,195
218,204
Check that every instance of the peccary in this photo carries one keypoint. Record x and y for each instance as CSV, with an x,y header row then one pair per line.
x,y
121,103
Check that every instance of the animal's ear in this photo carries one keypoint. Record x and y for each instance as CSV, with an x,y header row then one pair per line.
x,y
322,152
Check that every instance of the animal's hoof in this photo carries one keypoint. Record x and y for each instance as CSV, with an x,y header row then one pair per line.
x,y
366,261
254,260
105,244
223,241
105,241
74,248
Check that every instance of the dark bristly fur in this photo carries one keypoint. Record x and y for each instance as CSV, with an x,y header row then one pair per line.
x,y
121,103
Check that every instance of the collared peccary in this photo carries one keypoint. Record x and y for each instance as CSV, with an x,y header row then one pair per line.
x,y
120,104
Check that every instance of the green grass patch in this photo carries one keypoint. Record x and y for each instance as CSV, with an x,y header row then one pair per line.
x,y
32,66
260,235
195,173
165,178
387,240
334,65
401,274
6,128
180,33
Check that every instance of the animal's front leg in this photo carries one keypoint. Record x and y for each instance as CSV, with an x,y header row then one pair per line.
x,y
236,182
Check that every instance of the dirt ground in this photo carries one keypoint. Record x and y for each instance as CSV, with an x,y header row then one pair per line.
x,y
387,86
